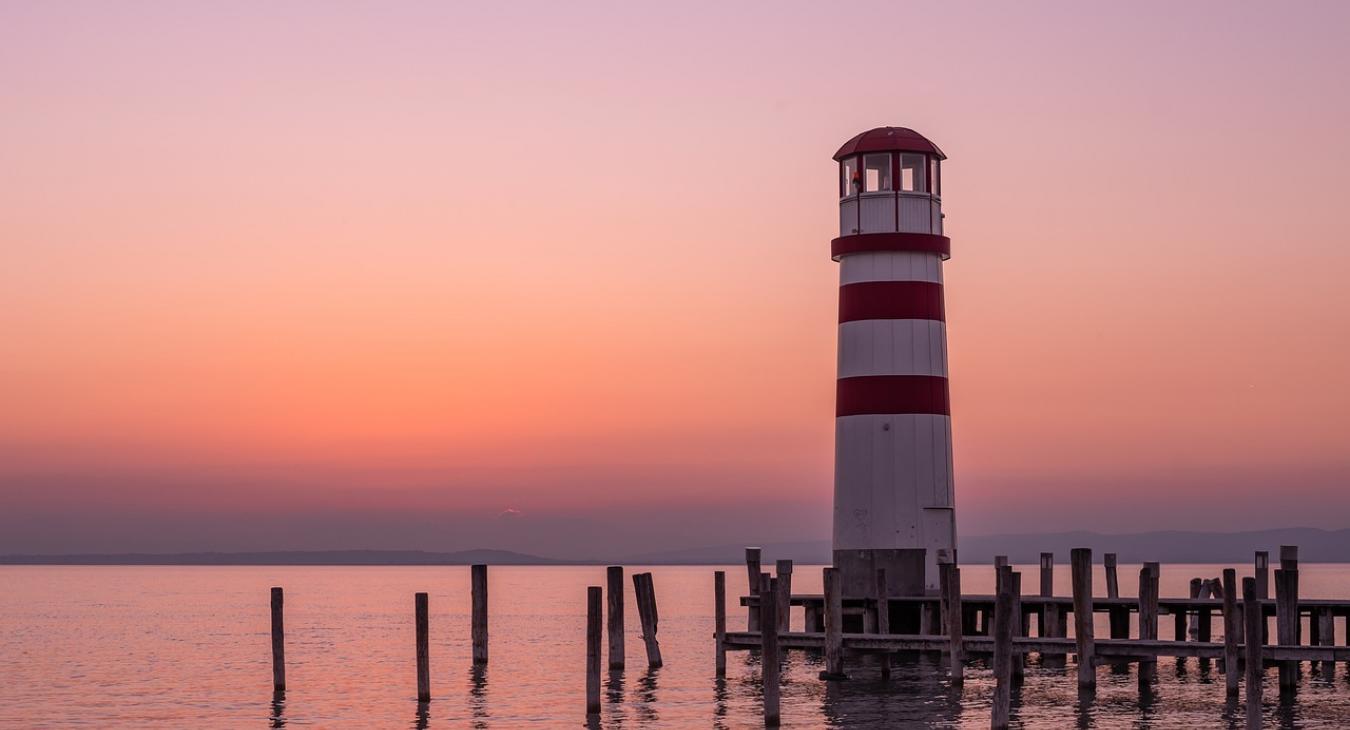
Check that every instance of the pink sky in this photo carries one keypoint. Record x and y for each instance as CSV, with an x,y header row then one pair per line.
x,y
303,274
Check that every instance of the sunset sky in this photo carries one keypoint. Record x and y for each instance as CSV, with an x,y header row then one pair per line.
x,y
555,277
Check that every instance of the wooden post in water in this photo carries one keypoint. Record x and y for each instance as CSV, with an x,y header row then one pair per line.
x,y
423,657
720,619
752,558
1204,615
1004,617
1081,564
1118,616
1044,621
1286,623
1251,610
884,619
614,622
1197,586
1148,618
278,642
784,595
1112,580
1014,585
479,589
594,600
951,609
1289,563
1262,572
768,647
1231,620
834,626
1326,636
645,592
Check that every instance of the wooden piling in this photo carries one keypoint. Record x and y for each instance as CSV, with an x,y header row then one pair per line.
x,y
479,589
884,618
1251,610
594,600
1289,564
768,634
1112,581
1286,623
1043,620
834,628
1288,557
1081,563
614,619
1326,636
1118,617
278,642
720,619
423,656
1261,564
1148,618
1004,617
644,590
1203,615
752,559
951,609
1014,585
784,595
1193,631
1230,631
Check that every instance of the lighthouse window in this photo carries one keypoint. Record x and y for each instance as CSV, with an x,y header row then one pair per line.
x,y
876,173
848,173
912,169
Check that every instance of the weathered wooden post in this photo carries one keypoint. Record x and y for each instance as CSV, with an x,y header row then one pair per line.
x,y
1118,616
1003,648
834,626
768,647
645,592
720,619
423,657
1289,563
1286,623
278,642
594,599
951,609
1203,615
1014,585
884,618
614,620
1197,586
1044,621
1148,619
752,559
1112,580
1081,564
1262,573
1251,610
479,589
784,595
1326,636
1230,631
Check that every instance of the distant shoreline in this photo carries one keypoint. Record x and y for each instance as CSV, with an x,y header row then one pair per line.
x,y
1174,546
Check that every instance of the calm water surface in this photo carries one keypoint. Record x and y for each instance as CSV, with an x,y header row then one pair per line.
x,y
189,647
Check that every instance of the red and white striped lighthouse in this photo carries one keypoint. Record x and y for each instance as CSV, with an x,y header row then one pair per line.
x,y
893,501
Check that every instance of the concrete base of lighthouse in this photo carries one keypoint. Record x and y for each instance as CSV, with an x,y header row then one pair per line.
x,y
905,571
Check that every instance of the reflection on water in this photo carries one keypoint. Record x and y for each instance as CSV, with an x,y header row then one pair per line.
x,y
135,633
278,709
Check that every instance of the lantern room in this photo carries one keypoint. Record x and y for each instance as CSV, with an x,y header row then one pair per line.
x,y
890,181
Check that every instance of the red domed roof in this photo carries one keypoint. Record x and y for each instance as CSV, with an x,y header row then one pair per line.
x,y
889,139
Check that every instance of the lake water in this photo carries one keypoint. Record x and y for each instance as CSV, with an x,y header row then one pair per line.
x,y
189,647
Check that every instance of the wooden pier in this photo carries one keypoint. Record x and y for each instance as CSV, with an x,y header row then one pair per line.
x,y
1000,626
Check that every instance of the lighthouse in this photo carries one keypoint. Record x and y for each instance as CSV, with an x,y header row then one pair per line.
x,y
893,499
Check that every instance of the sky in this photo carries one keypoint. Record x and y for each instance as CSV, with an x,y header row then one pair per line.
x,y
555,277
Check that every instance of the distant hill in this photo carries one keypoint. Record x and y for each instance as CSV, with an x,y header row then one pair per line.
x,y
1173,546
290,557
